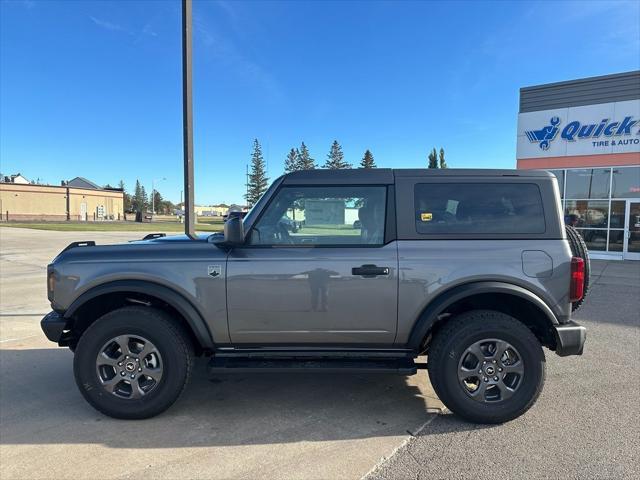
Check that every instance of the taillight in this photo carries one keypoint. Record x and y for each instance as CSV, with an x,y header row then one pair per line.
x,y
51,282
576,290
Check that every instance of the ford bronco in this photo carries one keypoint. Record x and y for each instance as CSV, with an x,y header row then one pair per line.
x,y
336,270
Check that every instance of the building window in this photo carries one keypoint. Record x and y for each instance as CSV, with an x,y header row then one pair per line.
x,y
588,183
587,213
618,212
626,182
616,240
595,239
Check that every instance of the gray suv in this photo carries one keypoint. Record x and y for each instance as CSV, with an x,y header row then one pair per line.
x,y
472,268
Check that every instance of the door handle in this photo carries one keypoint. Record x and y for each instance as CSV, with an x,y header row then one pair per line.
x,y
369,271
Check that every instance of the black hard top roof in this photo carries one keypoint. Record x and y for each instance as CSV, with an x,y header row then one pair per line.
x,y
365,176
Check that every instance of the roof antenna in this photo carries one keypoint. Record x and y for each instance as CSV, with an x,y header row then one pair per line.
x,y
187,119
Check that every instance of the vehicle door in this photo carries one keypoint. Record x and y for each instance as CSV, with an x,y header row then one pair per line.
x,y
316,269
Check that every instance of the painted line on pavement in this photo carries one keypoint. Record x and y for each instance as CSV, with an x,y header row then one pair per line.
x,y
18,339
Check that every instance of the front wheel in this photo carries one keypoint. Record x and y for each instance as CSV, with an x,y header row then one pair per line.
x,y
133,363
486,366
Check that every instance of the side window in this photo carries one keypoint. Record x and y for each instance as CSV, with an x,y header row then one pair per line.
x,y
309,216
478,208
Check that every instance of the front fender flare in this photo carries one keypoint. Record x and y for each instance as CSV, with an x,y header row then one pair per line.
x,y
431,312
161,292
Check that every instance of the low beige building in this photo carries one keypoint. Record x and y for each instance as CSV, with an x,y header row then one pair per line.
x,y
210,210
49,202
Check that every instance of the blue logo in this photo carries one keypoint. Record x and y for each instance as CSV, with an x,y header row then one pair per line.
x,y
576,131
545,134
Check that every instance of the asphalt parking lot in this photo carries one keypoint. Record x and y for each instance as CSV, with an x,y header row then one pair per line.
x,y
585,424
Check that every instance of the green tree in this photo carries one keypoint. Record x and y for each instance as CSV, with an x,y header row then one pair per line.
x,y
157,201
433,159
335,158
144,200
291,162
443,163
126,198
137,202
167,207
258,181
367,160
305,162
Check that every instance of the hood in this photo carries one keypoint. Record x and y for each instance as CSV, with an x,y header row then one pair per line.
x,y
151,248
162,238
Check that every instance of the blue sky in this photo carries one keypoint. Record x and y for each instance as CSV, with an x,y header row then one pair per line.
x,y
93,88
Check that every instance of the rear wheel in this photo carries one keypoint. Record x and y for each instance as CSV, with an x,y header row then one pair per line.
x,y
133,363
486,366
579,249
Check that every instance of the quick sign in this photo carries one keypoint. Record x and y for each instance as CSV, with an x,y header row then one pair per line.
x,y
586,130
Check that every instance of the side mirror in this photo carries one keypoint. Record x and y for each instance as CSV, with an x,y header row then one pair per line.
x,y
234,231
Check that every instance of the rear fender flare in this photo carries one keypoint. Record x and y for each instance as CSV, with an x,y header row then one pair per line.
x,y
429,315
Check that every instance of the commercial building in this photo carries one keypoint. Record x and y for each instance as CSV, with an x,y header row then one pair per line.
x,y
29,202
587,132
210,210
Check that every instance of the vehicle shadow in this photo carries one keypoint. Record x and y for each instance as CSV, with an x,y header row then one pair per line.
x,y
41,405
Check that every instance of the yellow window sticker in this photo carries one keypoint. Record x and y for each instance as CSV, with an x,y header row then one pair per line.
x,y
426,217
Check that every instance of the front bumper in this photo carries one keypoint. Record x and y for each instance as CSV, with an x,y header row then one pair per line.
x,y
570,338
53,325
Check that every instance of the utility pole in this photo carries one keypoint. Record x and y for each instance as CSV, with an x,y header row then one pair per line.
x,y
187,118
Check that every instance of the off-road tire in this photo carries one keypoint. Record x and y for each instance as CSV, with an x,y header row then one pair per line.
x,y
451,342
579,249
167,336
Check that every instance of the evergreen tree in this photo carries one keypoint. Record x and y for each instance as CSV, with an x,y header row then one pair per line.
x,y
367,160
335,158
126,197
157,201
433,159
137,202
443,163
292,161
144,200
305,162
258,181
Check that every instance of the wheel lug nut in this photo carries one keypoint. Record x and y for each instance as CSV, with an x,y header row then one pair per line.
x,y
485,379
480,372
133,376
122,373
495,379
139,369
119,364
499,369
494,361
126,356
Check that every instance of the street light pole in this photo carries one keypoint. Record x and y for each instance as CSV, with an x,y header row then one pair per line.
x,y
187,119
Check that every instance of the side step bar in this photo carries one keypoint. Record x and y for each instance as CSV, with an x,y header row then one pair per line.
x,y
404,366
